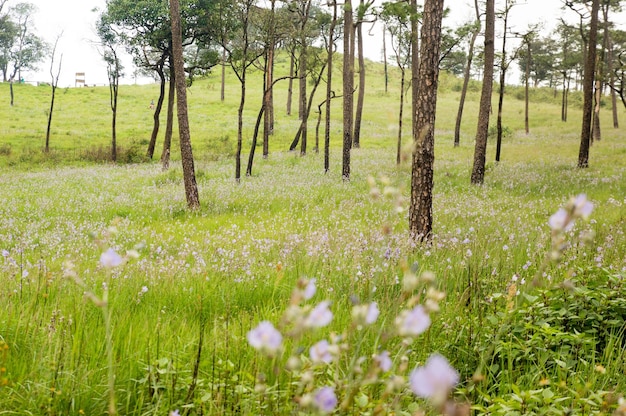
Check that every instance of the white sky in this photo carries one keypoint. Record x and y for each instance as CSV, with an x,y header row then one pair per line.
x,y
76,20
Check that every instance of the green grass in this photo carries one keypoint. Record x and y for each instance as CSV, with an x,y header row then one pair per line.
x,y
223,269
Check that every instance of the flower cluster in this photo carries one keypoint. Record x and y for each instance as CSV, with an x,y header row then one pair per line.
x,y
316,367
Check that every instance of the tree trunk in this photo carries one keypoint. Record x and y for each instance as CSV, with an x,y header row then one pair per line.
x,y
169,125
590,61
420,210
480,151
564,97
385,58
414,63
303,98
399,150
189,174
266,100
356,139
11,90
55,81
290,87
329,88
466,78
242,103
223,89
528,58
257,125
348,80
609,61
157,110
503,68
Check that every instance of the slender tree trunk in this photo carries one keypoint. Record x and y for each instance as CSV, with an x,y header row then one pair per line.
x,y
356,139
303,98
257,125
189,175
528,58
585,136
385,58
420,210
329,87
157,110
414,63
480,151
290,86
564,97
401,114
348,80
267,101
503,68
242,103
302,130
466,77
11,91
609,61
55,81
169,124
223,88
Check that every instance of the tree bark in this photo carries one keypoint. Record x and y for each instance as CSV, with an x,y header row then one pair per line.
x,y
348,80
590,61
480,150
385,58
420,210
189,175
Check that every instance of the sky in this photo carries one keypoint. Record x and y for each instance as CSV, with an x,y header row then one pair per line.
x,y
75,19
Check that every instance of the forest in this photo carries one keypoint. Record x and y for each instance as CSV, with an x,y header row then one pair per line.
x,y
415,235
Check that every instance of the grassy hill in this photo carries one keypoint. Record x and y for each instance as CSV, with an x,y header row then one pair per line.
x,y
533,319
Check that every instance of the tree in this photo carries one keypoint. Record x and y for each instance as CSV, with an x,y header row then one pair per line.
x,y
24,49
242,50
109,42
590,61
420,211
480,151
397,19
189,175
466,75
348,81
362,11
144,28
54,82
528,39
567,60
329,86
504,65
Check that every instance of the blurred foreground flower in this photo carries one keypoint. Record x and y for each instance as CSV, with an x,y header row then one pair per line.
x,y
110,259
265,338
325,399
434,380
320,316
563,219
383,360
413,322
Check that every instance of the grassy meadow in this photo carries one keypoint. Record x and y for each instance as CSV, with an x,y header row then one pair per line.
x,y
165,331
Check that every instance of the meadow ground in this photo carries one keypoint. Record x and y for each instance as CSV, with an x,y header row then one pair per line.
x,y
174,316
